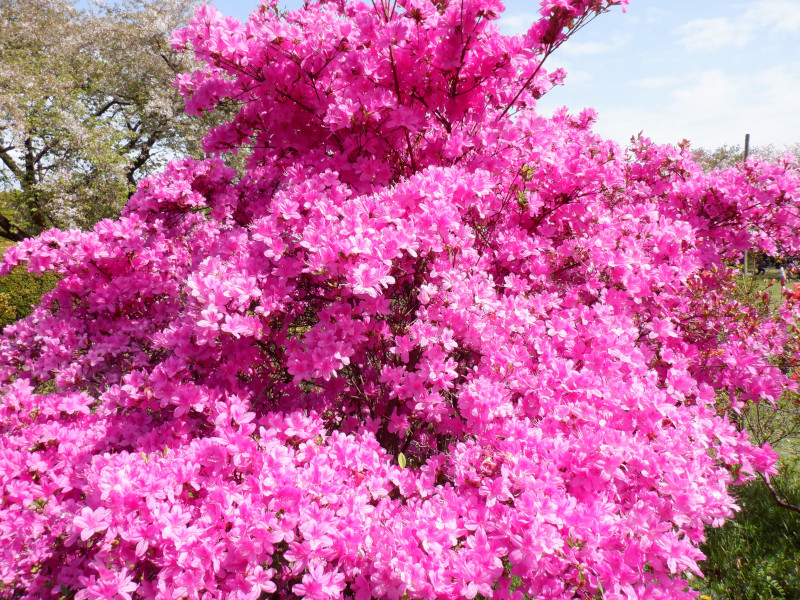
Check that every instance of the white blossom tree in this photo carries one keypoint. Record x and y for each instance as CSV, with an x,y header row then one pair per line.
x,y
87,108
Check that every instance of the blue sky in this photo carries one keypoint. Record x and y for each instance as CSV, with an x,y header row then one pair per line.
x,y
706,70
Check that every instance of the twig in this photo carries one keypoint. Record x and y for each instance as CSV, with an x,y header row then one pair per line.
x,y
779,499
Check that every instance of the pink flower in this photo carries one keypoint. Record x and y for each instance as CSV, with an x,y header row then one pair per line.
x,y
112,585
91,521
424,335
319,584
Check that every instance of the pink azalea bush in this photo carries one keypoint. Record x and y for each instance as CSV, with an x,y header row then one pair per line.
x,y
430,345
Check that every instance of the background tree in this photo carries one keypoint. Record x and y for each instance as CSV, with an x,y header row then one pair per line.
x,y
87,108
726,156
720,158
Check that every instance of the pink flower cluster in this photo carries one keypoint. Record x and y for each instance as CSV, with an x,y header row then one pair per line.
x,y
431,345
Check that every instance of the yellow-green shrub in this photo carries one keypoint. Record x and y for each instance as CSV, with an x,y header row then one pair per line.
x,y
20,291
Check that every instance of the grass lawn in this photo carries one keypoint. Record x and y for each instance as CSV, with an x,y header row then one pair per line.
x,y
771,282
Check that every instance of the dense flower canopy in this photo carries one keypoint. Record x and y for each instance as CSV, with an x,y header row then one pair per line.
x,y
430,345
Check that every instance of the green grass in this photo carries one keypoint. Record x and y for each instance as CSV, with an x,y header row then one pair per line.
x,y
771,282
756,556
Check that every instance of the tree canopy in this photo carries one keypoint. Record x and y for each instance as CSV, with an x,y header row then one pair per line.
x,y
87,108
725,156
430,344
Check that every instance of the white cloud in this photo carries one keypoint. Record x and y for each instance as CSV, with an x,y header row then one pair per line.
x,y
784,15
713,34
583,48
578,48
654,15
512,23
709,92
761,18
649,83
653,83
712,108
576,77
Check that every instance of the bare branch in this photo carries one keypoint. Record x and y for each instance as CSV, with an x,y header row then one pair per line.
x,y
780,499
11,164
10,231
100,111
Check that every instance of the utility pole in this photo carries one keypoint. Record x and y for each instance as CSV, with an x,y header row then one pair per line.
x,y
746,152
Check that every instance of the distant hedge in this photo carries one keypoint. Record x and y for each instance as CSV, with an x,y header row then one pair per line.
x,y
20,291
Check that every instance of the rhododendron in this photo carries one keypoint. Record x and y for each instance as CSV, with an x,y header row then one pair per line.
x,y
431,344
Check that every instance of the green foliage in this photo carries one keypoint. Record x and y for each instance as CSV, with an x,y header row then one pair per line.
x,y
726,156
720,158
756,556
20,291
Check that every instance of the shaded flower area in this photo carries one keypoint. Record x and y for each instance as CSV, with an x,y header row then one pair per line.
x,y
429,345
